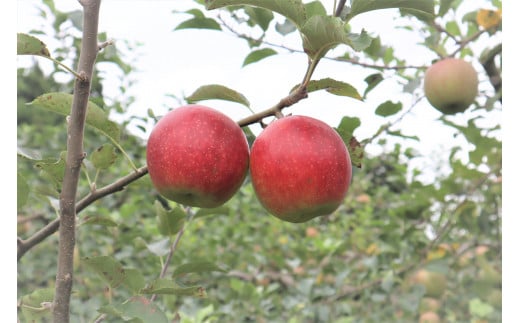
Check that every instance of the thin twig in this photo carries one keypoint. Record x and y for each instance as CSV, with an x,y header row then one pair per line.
x,y
105,44
340,7
173,247
387,126
464,42
248,38
29,218
297,95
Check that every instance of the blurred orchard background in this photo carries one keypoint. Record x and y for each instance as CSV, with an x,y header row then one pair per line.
x,y
427,197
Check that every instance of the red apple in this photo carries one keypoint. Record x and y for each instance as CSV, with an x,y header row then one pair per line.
x,y
451,85
300,168
197,156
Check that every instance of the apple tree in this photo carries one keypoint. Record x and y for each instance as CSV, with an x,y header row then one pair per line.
x,y
414,237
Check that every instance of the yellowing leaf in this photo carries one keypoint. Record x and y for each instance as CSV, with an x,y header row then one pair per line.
x,y
489,18
372,249
438,253
319,278
30,45
283,240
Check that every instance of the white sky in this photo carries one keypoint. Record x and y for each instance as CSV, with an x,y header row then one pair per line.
x,y
178,62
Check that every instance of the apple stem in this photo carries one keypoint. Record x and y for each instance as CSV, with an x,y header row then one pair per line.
x,y
295,96
278,114
311,67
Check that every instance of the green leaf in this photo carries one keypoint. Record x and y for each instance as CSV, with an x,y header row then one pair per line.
x,y
199,21
479,308
361,41
217,92
285,28
388,281
55,169
196,267
376,49
171,221
471,131
262,17
334,87
441,266
444,6
36,307
22,190
257,55
108,268
137,307
388,56
292,9
314,8
355,149
421,15
161,247
356,152
61,103
104,156
398,133
349,124
388,108
250,135
76,18
99,220
322,33
134,280
453,28
361,6
412,85
372,81
30,45
170,287
204,314
28,153
221,210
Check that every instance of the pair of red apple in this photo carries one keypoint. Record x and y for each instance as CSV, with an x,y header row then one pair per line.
x,y
299,166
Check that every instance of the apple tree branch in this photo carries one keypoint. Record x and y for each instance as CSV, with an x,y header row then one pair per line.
x,y
75,156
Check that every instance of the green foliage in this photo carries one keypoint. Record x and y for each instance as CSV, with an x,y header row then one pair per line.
x,y
388,108
35,307
217,92
359,6
334,87
198,21
30,45
97,118
137,309
140,258
169,222
258,55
